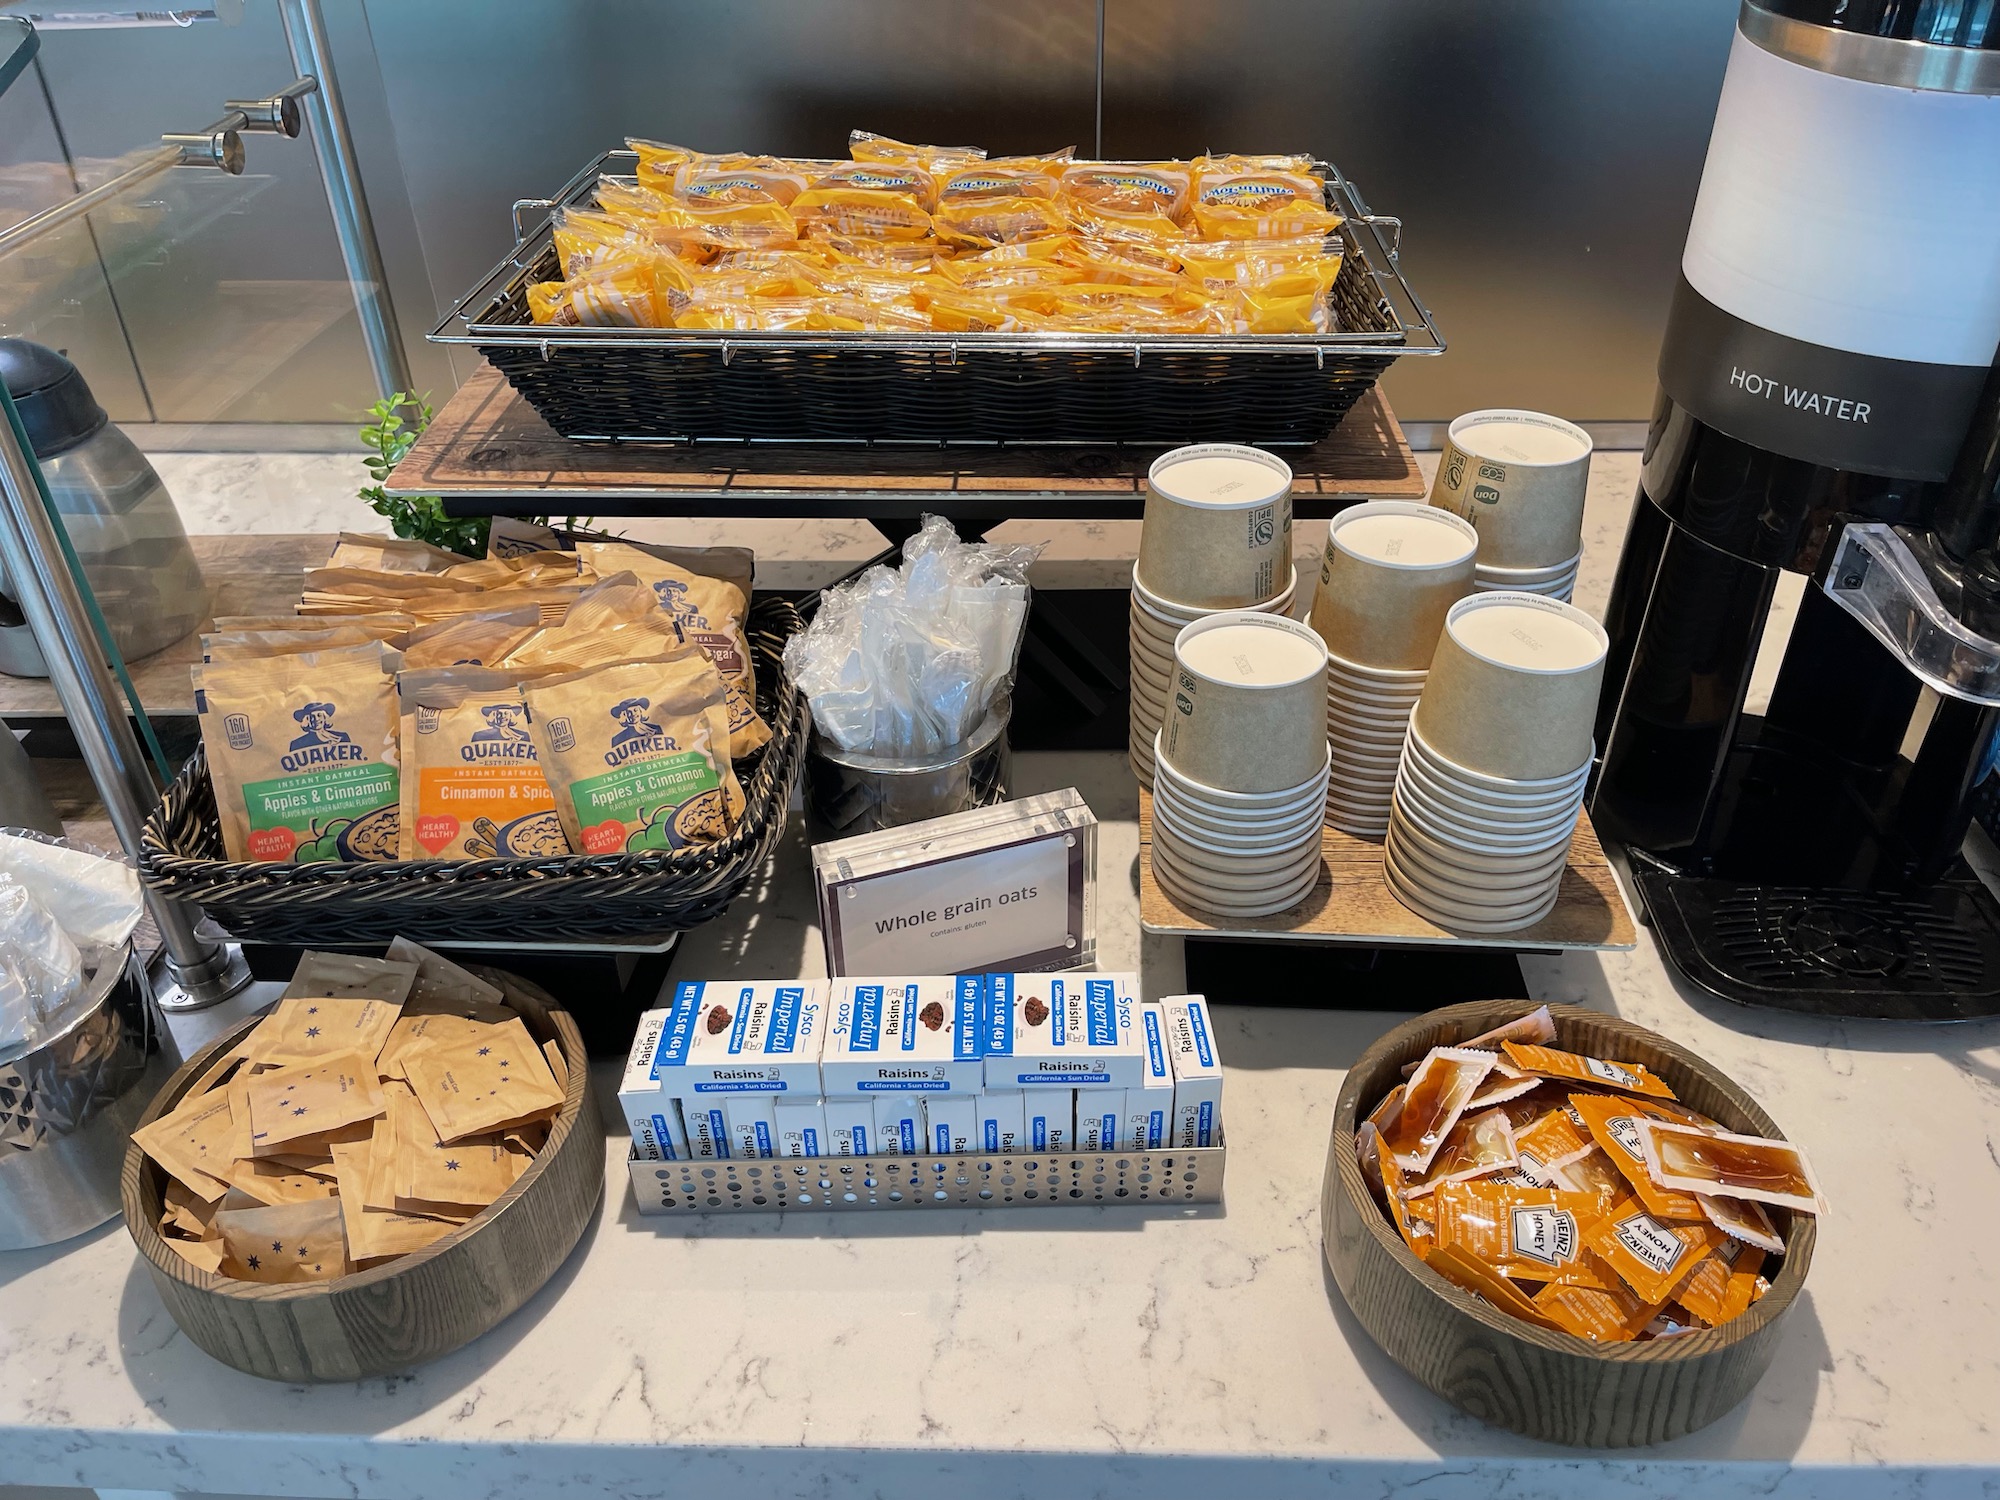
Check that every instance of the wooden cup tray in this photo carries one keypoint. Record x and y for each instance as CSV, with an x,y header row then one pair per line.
x,y
1080,1179
1352,903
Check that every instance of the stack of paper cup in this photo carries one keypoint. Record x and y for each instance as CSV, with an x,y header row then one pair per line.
x,y
1494,765
1217,536
1241,766
1520,478
1390,572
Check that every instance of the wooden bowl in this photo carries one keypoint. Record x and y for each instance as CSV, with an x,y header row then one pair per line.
x,y
410,1310
1552,1386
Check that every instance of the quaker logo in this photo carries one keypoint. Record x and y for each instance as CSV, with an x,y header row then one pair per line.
x,y
504,722
1454,469
1545,1234
319,743
673,596
640,734
1263,526
236,729
505,736
1485,494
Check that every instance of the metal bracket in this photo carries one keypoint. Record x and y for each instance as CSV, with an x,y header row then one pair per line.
x,y
279,113
520,229
1392,242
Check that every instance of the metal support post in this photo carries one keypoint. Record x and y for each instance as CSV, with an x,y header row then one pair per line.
x,y
206,972
353,225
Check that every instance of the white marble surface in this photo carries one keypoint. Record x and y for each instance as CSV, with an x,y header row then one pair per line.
x,y
1081,1352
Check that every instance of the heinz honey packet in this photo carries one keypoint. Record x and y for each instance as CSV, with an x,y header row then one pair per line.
x,y
472,782
303,754
638,754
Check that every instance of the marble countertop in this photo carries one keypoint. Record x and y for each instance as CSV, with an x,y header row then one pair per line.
x,y
1088,1351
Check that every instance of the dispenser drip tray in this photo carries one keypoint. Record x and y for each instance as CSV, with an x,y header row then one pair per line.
x,y
1931,955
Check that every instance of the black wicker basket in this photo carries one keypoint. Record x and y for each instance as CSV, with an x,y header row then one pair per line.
x,y
502,901
660,385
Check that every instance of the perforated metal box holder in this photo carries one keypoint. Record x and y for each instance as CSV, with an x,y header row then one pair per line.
x,y
1083,1179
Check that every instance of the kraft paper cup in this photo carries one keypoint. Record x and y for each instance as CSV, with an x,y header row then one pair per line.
x,y
1513,690
1460,777
1390,571
1277,870
1218,906
1460,918
1479,897
1451,807
1495,857
1191,888
1528,577
1520,478
1151,609
1239,836
1218,527
1247,708
1226,803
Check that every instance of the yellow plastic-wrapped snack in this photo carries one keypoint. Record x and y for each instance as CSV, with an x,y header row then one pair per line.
x,y
866,213
1257,310
1237,161
964,312
865,145
1049,247
1308,263
586,239
882,177
778,315
703,230
1233,204
621,296
756,180
975,276
907,255
1115,201
999,203
1124,264
658,161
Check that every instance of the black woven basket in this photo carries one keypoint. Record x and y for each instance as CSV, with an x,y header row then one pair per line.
x,y
610,384
501,901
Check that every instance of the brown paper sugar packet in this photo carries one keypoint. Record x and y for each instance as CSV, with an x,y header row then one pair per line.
x,y
472,781
271,1184
183,1209
438,978
303,758
375,1234
638,755
481,639
391,554
558,1066
348,976
312,1099
192,1144
203,1255
381,588
425,1174
223,1069
413,1031
311,1029
478,1086
288,1242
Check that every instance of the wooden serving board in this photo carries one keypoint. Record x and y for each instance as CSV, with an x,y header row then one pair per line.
x,y
487,444
1353,904
249,575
